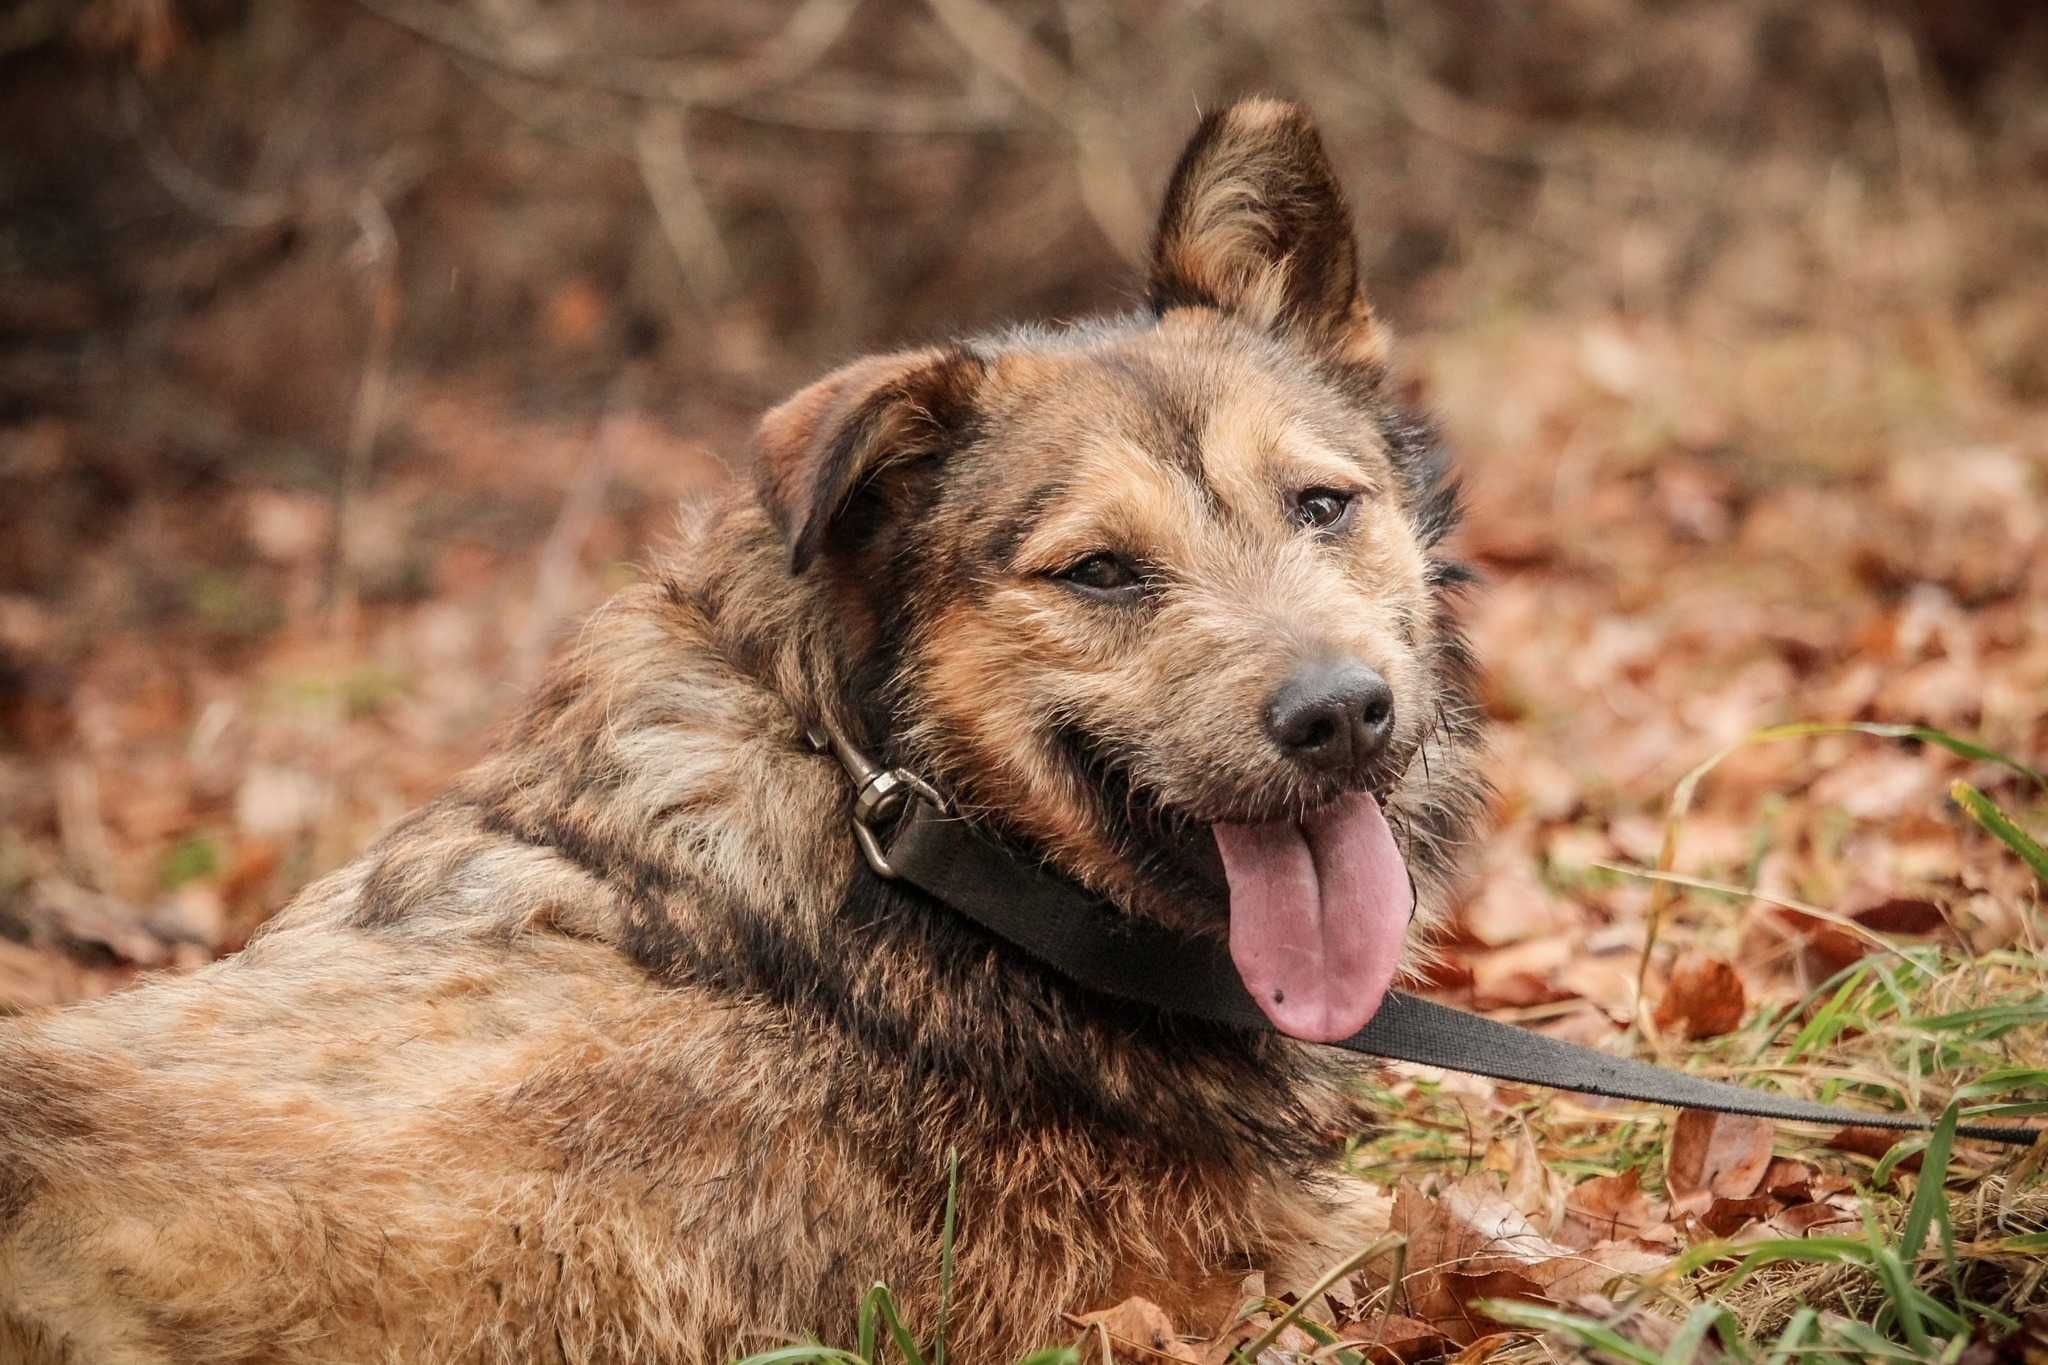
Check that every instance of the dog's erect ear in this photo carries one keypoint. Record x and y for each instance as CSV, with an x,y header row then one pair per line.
x,y
1255,223
816,452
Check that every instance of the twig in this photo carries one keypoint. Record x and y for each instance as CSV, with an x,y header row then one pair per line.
x,y
539,53
217,203
555,567
376,250
996,42
662,152
81,829
859,108
759,88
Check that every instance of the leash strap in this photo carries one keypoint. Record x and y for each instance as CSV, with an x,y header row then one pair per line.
x,y
1083,939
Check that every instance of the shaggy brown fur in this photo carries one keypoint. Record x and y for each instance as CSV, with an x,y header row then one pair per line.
x,y
616,1052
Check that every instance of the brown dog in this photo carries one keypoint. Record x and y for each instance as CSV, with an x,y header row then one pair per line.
x,y
618,1052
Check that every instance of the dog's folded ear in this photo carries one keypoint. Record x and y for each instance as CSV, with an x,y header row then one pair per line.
x,y
819,452
1255,223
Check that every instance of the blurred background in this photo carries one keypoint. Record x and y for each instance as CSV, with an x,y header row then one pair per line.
x,y
350,350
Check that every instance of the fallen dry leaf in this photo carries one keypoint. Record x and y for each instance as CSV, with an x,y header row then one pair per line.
x,y
1788,1180
1467,1224
1466,1242
1826,947
1530,1185
1804,1219
1726,1217
1898,914
1604,980
1485,1348
1521,974
1703,999
1715,1156
1138,1324
1611,1208
1458,1294
1873,1143
1395,1338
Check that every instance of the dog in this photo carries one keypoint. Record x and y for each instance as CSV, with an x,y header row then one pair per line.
x,y
618,1051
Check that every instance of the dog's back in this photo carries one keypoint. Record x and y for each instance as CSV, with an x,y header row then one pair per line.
x,y
435,1111
281,1157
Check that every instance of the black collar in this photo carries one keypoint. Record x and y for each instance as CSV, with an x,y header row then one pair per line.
x,y
908,834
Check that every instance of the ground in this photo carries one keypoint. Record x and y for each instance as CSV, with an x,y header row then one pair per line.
x,y
349,354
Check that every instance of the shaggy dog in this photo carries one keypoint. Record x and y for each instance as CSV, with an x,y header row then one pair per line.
x,y
618,1051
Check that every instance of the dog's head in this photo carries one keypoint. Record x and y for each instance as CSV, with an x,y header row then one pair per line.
x,y
1160,595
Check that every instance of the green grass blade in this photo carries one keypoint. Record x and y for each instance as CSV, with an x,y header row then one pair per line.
x,y
1962,748
1868,1344
1942,1319
1985,812
1691,1338
1393,1241
2019,1109
2003,1081
2000,1324
1053,1355
1881,1175
1986,1022
1829,1019
870,1323
946,1255
803,1355
1798,1328
1852,1251
1323,1336
1798,1007
885,1306
1580,1330
1900,1296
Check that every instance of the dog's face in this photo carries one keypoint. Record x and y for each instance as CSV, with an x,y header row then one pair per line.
x,y
1160,596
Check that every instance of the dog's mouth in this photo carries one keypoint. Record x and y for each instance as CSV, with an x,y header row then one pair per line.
x,y
1318,901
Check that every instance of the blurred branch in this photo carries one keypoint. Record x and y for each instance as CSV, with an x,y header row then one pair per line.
x,y
662,152
228,207
376,252
81,829
994,40
538,52
556,570
1108,188
758,86
861,108
393,172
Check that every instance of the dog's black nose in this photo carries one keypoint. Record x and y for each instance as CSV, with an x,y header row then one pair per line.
x,y
1333,715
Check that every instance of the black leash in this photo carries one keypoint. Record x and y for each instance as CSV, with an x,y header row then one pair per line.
x,y
906,834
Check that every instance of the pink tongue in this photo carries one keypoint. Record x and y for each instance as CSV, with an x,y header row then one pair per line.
x,y
1318,916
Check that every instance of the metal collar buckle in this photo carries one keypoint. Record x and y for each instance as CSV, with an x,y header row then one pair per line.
x,y
880,794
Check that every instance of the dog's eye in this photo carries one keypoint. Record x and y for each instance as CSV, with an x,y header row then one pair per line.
x,y
1322,509
1102,574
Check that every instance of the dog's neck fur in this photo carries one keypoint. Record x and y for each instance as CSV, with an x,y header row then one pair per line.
x,y
662,770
